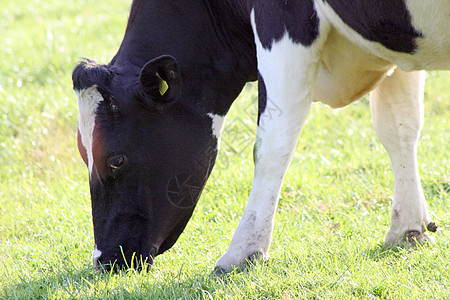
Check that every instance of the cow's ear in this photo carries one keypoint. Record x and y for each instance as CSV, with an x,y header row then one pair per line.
x,y
160,80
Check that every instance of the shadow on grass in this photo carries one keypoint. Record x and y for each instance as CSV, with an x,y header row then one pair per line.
x,y
381,252
47,285
129,284
161,283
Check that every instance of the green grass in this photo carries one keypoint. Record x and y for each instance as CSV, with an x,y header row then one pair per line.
x,y
330,224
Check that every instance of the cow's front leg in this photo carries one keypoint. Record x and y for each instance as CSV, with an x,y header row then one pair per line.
x,y
397,112
286,77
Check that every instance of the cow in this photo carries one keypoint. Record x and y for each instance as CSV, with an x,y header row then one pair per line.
x,y
150,120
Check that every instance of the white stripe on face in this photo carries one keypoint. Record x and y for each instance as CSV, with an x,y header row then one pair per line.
x,y
88,101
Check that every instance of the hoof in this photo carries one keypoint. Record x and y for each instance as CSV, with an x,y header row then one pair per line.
x,y
412,237
432,227
255,257
249,261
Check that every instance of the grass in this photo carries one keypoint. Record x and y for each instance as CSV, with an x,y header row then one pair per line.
x,y
330,224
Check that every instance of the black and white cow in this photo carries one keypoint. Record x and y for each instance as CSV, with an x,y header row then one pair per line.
x,y
150,120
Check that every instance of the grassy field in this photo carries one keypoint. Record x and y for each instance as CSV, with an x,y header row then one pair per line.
x,y
334,206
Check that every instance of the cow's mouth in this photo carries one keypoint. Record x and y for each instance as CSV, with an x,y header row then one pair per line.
x,y
122,261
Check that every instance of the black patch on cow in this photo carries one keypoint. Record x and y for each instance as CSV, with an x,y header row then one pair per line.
x,y
274,17
89,73
385,22
262,96
184,190
169,153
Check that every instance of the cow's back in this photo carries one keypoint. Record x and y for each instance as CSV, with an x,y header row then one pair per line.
x,y
412,34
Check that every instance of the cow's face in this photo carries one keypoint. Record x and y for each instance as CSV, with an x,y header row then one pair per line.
x,y
148,154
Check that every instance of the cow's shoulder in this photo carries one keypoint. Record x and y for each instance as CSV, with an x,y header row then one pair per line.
x,y
275,18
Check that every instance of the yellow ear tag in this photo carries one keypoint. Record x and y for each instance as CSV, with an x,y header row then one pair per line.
x,y
163,86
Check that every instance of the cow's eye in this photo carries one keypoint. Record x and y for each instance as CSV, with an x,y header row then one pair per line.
x,y
116,163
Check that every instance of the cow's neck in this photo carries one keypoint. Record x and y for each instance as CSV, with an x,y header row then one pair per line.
x,y
211,40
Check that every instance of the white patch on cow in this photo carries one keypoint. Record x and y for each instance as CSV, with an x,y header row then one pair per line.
x,y
397,111
217,124
289,71
428,17
95,256
432,19
88,101
344,78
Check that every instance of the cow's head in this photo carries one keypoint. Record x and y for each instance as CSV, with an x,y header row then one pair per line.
x,y
149,154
